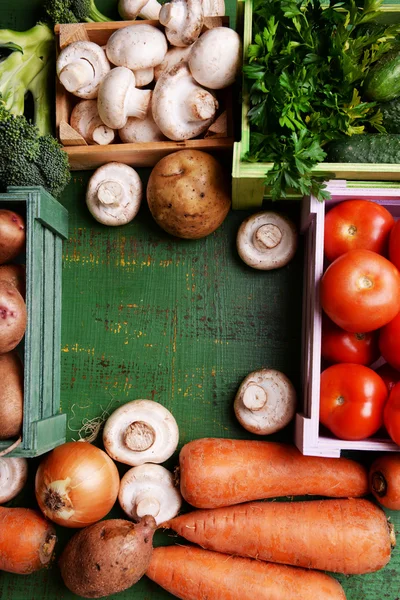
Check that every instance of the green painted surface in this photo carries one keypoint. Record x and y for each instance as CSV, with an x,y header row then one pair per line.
x,y
180,322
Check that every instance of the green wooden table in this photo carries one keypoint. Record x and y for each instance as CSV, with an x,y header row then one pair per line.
x,y
179,322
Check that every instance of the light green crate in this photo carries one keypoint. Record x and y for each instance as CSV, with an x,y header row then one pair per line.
x,y
44,427
248,187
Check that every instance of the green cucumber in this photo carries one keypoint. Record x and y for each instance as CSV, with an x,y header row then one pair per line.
x,y
383,81
391,115
365,148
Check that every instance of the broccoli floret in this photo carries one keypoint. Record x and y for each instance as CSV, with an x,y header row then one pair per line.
x,y
74,11
26,69
28,158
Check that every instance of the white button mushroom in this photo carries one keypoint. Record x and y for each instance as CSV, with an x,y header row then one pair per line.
x,y
265,402
141,431
149,490
139,48
213,8
85,119
181,108
267,240
81,66
141,131
119,99
174,56
183,21
114,194
215,58
145,9
13,476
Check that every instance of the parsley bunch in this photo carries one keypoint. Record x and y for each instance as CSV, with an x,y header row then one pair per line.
x,y
304,77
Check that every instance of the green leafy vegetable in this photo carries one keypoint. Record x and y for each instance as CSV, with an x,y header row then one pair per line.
x,y
304,76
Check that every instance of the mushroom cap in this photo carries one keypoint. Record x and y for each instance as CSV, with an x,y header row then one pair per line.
x,y
181,108
85,119
87,54
119,99
267,240
149,489
114,194
265,402
13,476
141,431
215,58
141,131
175,55
183,21
213,8
137,47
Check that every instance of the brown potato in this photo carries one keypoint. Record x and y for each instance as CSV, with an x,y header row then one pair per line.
x,y
11,395
14,274
188,194
107,557
12,317
12,235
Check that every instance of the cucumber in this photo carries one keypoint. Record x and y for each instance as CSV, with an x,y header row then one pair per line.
x,y
383,81
365,148
391,115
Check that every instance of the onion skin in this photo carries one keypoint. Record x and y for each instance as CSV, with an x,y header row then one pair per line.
x,y
76,484
27,540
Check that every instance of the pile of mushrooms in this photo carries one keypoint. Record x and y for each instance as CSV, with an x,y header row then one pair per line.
x,y
148,83
143,434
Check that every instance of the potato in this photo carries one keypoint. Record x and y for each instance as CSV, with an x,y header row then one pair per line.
x,y
12,235
14,274
107,557
12,317
11,395
188,194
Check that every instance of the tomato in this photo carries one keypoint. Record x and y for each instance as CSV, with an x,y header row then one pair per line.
x,y
389,375
360,291
352,398
389,342
391,414
394,245
356,224
339,345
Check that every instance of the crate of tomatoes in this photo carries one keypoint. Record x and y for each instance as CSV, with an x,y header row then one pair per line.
x,y
351,321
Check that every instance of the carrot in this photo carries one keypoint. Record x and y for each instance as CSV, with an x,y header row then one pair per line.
x,y
319,534
27,540
195,574
217,472
384,480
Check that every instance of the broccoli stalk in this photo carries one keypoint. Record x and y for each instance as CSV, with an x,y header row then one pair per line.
x,y
74,11
27,69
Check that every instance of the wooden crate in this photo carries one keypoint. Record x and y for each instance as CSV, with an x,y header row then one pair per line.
x,y
248,178
83,156
46,226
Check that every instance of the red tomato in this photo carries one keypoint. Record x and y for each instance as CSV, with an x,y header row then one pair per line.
x,y
389,375
351,401
356,224
389,342
360,291
394,245
391,414
339,345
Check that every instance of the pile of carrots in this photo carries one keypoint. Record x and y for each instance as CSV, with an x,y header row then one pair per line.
x,y
247,549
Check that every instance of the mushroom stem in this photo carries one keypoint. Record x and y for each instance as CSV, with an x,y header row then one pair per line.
x,y
139,436
172,14
267,236
201,105
146,504
144,76
254,397
103,135
110,192
151,10
138,102
76,75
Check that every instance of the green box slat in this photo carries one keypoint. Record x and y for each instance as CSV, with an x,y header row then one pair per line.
x,y
46,225
248,189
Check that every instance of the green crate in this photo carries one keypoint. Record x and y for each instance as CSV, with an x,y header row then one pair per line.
x,y
46,226
248,187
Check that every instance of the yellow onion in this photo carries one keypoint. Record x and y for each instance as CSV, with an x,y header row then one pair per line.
x,y
76,484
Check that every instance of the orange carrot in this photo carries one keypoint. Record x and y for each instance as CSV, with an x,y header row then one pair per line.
x,y
384,477
195,574
319,534
27,540
217,472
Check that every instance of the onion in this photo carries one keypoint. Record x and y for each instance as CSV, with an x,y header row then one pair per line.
x,y
76,484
